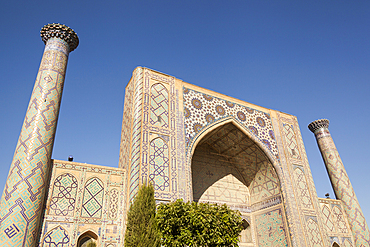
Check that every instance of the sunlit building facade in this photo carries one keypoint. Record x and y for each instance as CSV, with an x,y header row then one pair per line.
x,y
191,143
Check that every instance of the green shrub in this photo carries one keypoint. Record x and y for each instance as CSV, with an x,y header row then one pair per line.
x,y
141,228
198,224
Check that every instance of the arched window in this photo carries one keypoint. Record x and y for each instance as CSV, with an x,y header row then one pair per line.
x,y
87,238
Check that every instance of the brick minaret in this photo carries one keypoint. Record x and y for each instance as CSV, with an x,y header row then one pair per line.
x,y
23,197
341,184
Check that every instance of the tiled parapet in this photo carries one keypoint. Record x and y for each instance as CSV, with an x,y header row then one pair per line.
x,y
340,181
24,192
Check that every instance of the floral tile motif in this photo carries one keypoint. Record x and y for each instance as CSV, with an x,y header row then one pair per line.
x,y
201,110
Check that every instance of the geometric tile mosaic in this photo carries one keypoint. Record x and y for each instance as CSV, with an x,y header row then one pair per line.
x,y
343,190
64,195
159,105
159,165
93,199
302,189
23,197
338,216
270,229
314,235
266,183
136,133
110,227
57,237
201,110
291,142
124,155
113,203
347,243
326,214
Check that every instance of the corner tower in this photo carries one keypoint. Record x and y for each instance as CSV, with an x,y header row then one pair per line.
x,y
340,182
23,197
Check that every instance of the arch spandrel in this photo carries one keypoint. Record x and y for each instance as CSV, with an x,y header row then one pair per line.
x,y
201,111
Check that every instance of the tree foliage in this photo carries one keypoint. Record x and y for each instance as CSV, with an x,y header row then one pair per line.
x,y
91,244
141,228
198,224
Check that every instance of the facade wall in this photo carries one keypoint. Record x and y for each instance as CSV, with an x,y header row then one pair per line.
x,y
171,117
295,161
336,222
164,121
84,198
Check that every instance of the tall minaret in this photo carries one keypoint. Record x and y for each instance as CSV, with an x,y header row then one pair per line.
x,y
24,193
339,179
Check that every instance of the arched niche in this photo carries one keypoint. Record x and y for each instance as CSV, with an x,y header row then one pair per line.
x,y
335,244
228,166
86,238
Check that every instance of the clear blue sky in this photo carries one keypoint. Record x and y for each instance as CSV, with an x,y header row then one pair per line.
x,y
307,58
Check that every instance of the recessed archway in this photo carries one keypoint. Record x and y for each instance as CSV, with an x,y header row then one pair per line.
x,y
87,238
229,167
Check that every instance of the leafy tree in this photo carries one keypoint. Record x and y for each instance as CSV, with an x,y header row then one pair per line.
x,y
141,228
91,244
198,224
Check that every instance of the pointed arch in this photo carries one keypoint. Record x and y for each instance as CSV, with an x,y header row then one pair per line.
x,y
234,162
216,124
86,237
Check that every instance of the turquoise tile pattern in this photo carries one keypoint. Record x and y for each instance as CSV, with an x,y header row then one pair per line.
x,y
64,195
24,192
340,181
57,237
159,105
270,229
92,203
136,134
159,165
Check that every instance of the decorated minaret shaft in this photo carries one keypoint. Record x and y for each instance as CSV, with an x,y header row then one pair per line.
x,y
341,184
24,193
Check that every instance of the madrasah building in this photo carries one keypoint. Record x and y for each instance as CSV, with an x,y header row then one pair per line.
x,y
190,143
